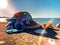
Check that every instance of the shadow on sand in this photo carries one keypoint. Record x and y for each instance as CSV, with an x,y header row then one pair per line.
x,y
50,32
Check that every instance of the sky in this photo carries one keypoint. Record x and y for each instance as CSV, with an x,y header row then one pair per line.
x,y
38,8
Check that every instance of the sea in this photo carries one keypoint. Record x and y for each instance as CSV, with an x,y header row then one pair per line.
x,y
54,21
41,20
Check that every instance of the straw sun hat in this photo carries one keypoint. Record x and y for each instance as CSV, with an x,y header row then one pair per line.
x,y
33,23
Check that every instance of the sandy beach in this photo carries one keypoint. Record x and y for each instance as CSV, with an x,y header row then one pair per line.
x,y
29,22
25,38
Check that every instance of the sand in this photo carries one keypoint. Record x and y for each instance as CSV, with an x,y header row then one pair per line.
x,y
25,38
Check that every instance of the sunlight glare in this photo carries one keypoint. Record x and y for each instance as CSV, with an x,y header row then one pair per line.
x,y
3,4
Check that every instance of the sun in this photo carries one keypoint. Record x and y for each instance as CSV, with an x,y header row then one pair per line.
x,y
3,4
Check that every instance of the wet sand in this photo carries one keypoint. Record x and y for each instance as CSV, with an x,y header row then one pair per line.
x,y
26,38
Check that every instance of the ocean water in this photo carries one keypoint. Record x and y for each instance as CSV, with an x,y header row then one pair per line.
x,y
44,20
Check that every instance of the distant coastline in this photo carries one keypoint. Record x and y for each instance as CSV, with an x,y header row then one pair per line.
x,y
44,20
40,20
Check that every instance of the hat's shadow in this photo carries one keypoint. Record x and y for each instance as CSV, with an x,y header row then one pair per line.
x,y
50,32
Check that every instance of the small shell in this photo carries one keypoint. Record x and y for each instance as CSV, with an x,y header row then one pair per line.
x,y
58,25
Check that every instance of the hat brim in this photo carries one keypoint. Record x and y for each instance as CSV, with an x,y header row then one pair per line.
x,y
34,25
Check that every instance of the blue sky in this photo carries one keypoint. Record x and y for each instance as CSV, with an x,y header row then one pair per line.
x,y
38,8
